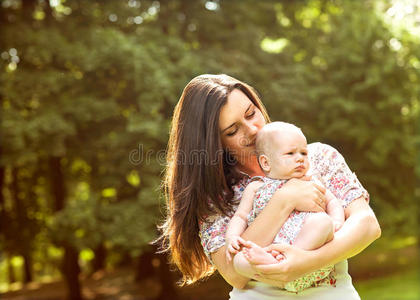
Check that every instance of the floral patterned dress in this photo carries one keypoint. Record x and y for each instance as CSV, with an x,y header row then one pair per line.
x,y
288,233
338,178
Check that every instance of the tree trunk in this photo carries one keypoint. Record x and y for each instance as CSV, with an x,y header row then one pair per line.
x,y
71,271
2,208
70,266
167,280
20,213
100,256
145,267
28,8
11,271
27,266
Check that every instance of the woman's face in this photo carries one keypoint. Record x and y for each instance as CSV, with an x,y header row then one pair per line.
x,y
239,122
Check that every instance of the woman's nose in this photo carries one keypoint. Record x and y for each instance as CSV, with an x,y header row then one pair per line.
x,y
252,129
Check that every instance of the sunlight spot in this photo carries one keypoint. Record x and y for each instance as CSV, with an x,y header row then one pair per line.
x,y
211,5
17,261
79,233
404,242
15,59
274,46
381,258
11,66
12,51
87,254
134,3
54,3
395,44
378,44
138,20
192,27
39,15
109,192
5,55
284,21
133,178
152,10
113,17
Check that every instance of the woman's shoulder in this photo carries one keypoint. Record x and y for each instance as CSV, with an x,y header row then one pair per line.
x,y
320,151
323,157
320,148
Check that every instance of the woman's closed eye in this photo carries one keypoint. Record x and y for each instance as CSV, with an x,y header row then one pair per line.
x,y
251,115
232,133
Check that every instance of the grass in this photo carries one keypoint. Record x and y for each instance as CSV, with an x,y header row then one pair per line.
x,y
399,286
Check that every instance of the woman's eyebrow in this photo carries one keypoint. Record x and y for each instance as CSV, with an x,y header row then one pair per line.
x,y
231,125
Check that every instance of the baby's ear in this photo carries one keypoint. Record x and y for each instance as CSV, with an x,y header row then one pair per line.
x,y
264,164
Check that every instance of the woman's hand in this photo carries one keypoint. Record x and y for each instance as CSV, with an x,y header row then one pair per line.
x,y
296,263
303,195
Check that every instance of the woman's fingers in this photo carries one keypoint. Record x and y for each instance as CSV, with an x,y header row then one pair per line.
x,y
268,269
320,188
321,200
306,178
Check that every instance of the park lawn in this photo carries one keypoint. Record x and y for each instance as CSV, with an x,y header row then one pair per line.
x,y
399,286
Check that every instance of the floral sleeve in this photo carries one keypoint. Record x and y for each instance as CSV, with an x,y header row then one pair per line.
x,y
213,229
212,233
337,176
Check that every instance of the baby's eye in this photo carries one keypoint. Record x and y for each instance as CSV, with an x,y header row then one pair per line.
x,y
289,153
304,153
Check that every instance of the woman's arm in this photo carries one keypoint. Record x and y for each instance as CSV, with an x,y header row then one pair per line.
x,y
295,194
359,230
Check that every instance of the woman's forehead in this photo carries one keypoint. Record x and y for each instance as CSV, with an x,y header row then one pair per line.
x,y
234,109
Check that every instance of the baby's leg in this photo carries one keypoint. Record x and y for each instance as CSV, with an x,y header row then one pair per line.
x,y
317,230
251,255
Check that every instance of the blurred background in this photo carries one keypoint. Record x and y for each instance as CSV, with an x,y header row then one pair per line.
x,y
86,96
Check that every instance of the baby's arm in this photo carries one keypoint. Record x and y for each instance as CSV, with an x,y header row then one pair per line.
x,y
335,210
239,221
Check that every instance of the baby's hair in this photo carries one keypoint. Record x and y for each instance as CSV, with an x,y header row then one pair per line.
x,y
266,135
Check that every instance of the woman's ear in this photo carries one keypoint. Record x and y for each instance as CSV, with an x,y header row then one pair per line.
x,y
264,163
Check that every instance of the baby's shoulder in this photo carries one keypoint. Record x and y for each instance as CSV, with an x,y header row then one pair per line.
x,y
254,185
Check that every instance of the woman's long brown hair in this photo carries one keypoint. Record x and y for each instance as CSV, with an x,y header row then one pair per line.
x,y
199,174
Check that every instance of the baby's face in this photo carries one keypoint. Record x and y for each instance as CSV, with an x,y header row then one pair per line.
x,y
288,156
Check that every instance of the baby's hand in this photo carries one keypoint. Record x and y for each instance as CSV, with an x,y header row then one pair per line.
x,y
337,225
233,246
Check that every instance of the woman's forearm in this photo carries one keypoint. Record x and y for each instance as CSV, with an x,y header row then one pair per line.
x,y
227,270
359,230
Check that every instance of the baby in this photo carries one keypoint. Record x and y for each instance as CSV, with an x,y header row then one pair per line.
x,y
282,154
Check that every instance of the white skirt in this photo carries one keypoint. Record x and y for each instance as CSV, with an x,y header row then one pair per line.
x,y
344,289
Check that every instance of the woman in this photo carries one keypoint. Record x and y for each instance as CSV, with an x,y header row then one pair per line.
x,y
210,161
